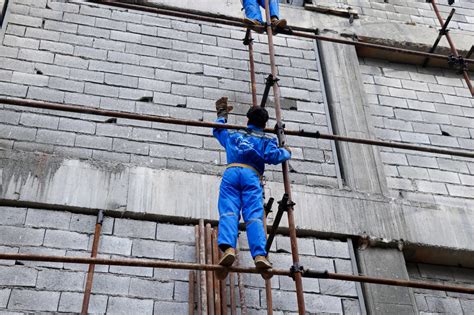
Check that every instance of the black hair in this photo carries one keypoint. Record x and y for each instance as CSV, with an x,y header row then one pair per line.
x,y
258,116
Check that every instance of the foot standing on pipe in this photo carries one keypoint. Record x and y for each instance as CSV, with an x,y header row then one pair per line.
x,y
254,15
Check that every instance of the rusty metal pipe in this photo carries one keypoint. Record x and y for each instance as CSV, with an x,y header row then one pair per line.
x,y
191,293
268,282
253,81
308,273
209,273
233,308
197,276
443,31
285,166
453,47
216,284
202,260
240,282
90,271
185,122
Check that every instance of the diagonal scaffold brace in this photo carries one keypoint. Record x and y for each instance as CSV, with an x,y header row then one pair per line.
x,y
285,166
442,32
283,206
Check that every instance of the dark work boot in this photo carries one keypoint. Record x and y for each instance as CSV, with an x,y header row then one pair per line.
x,y
277,24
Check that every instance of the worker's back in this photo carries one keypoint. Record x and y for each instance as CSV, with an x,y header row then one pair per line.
x,y
251,147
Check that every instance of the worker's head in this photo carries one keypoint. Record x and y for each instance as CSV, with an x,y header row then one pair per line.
x,y
258,116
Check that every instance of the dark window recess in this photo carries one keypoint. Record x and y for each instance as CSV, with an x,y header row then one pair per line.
x,y
3,8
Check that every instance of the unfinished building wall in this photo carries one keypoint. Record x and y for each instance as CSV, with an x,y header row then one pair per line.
x,y
57,287
76,52
439,301
427,107
417,12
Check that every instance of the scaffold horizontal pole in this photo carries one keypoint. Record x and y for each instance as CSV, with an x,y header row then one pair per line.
x,y
196,123
307,273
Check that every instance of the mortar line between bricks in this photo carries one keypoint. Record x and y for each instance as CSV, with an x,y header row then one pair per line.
x,y
176,121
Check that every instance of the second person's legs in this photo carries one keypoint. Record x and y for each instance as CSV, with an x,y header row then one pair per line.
x,y
252,10
274,7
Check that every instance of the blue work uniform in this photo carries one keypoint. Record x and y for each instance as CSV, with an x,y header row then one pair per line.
x,y
241,187
252,9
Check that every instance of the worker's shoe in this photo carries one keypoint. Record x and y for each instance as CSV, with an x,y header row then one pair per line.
x,y
228,258
226,261
277,25
254,25
261,262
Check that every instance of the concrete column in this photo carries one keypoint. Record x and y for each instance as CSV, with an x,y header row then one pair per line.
x,y
361,166
383,299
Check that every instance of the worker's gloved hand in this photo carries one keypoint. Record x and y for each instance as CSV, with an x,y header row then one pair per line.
x,y
287,148
222,108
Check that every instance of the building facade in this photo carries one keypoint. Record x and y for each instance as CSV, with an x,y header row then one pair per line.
x,y
371,210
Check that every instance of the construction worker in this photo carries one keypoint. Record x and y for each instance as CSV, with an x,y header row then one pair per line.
x,y
241,189
254,16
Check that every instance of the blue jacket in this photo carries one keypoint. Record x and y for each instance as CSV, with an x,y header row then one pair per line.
x,y
250,146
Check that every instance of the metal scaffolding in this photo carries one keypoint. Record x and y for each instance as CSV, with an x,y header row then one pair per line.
x,y
212,298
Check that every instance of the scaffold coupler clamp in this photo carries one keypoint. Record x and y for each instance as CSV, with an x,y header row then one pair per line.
x,y
269,82
100,217
280,132
458,63
284,204
247,39
296,268
268,206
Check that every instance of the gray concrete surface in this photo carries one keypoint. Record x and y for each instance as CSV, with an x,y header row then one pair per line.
x,y
383,299
141,190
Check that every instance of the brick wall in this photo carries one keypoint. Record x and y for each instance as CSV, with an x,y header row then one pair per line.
x,y
440,302
78,53
427,107
57,287
416,12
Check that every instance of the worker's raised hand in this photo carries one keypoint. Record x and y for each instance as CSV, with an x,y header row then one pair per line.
x,y
287,148
222,108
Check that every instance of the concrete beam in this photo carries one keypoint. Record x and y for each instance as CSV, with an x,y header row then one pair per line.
x,y
362,168
382,299
63,184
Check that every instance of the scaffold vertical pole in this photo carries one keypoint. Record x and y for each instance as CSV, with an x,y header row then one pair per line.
x,y
198,273
202,260
90,272
248,40
285,165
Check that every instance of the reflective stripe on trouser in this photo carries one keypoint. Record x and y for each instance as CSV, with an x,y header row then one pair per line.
x,y
241,190
252,9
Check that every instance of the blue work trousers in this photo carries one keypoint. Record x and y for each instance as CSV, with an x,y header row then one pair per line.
x,y
241,190
252,9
